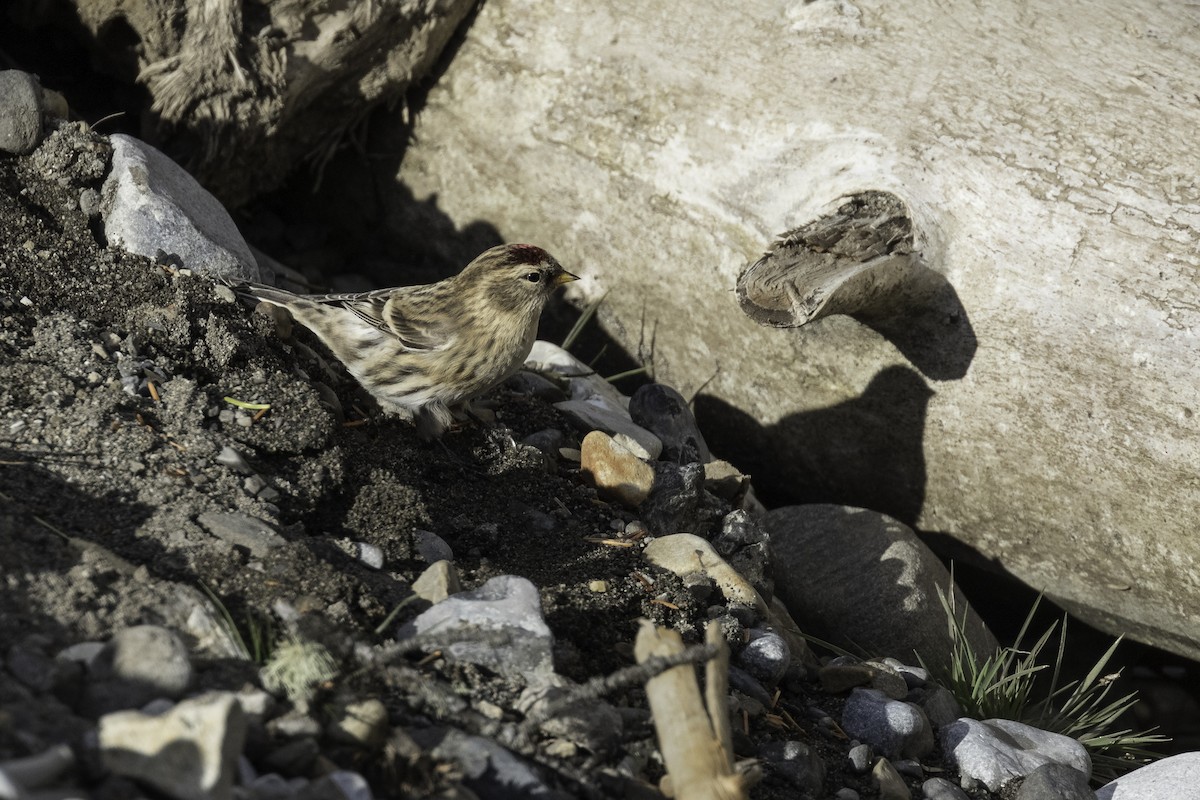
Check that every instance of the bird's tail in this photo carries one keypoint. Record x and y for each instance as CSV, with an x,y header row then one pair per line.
x,y
259,291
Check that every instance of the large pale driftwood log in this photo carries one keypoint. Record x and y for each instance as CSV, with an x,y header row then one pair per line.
x,y
241,91
1039,408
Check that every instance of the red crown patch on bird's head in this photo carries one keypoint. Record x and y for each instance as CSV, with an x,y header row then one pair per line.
x,y
526,254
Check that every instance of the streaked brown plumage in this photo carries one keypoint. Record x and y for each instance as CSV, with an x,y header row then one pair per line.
x,y
423,350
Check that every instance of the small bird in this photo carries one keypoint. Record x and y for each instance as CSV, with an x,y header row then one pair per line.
x,y
424,350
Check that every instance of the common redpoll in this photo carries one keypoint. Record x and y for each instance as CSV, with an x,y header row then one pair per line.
x,y
423,350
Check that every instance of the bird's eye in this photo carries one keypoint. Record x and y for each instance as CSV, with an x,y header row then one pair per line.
x,y
533,277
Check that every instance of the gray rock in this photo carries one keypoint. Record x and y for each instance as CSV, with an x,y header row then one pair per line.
x,y
1174,778
189,753
294,758
846,793
837,677
232,457
663,411
358,721
887,680
914,677
499,626
582,381
337,785
747,546
242,530
942,789
743,682
795,762
892,727
136,666
590,723
548,440
432,548
531,383
368,554
860,757
940,704
34,772
891,784
600,414
21,112
151,204
488,770
675,500
995,751
862,579
437,582
1055,782
766,656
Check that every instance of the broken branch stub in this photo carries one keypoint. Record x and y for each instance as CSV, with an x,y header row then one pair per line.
x,y
694,740
857,260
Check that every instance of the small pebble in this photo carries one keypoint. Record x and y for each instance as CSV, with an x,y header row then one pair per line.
x,y
860,758
598,586
369,554
232,458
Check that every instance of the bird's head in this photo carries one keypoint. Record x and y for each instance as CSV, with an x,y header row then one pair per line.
x,y
520,275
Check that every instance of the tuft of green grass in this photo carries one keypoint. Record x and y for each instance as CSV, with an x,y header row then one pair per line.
x,y
258,639
1008,684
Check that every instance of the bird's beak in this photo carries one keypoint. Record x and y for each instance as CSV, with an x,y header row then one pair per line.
x,y
564,277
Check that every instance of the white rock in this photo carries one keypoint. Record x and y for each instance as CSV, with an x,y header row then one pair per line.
x,y
150,203
599,414
499,625
995,751
1174,778
189,753
688,554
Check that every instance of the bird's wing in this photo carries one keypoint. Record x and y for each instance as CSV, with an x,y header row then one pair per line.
x,y
418,325
367,306
395,313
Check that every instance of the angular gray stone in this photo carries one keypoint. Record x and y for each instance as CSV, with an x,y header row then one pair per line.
x,y
582,381
942,789
894,728
489,770
1055,781
437,582
939,703
795,762
432,548
676,499
150,203
499,626
599,414
663,411
861,579
20,112
860,758
891,784
995,751
189,753
136,666
1174,778
242,530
